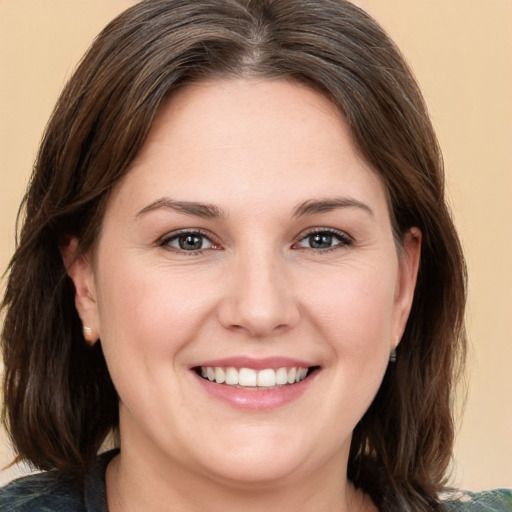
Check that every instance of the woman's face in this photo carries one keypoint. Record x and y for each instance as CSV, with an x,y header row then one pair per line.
x,y
248,243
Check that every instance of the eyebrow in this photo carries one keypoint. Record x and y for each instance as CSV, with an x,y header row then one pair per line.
x,y
204,210
210,211
316,206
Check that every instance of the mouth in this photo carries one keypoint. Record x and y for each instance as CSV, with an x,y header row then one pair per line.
x,y
255,379
256,384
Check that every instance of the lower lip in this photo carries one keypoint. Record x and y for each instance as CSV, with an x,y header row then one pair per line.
x,y
257,399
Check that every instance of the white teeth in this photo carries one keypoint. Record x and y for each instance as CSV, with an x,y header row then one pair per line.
x,y
247,377
232,376
292,373
220,376
301,374
267,378
282,376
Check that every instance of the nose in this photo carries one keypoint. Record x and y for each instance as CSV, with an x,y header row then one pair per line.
x,y
259,298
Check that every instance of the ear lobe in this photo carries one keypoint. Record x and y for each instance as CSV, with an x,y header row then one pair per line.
x,y
407,276
80,271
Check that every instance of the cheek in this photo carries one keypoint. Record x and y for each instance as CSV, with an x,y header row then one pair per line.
x,y
147,320
146,308
148,313
355,306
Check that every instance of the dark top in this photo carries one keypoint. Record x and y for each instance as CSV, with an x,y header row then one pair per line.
x,y
52,492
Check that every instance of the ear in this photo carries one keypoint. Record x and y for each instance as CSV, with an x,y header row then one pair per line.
x,y
80,270
406,283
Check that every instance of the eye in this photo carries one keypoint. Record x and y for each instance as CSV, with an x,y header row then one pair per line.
x,y
324,239
188,241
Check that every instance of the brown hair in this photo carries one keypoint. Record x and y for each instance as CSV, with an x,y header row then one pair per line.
x,y
60,403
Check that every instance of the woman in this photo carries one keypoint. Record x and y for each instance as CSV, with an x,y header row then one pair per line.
x,y
247,351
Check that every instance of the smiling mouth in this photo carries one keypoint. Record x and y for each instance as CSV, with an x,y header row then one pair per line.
x,y
248,378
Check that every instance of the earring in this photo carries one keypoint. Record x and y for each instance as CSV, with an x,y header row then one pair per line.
x,y
87,331
392,354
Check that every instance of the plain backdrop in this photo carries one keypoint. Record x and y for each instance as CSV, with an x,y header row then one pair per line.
x,y
461,52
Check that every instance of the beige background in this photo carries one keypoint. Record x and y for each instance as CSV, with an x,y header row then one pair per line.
x,y
461,52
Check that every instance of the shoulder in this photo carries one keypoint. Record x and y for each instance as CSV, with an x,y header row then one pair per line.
x,y
496,500
52,491
43,492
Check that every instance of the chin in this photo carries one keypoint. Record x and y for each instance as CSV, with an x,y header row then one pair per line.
x,y
255,474
262,464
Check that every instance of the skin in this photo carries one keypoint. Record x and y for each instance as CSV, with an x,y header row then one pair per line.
x,y
255,150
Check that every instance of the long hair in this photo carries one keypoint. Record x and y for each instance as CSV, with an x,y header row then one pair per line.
x,y
60,403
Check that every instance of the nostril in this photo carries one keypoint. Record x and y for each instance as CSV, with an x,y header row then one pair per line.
x,y
258,304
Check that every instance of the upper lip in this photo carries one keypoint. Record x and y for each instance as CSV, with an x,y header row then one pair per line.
x,y
255,363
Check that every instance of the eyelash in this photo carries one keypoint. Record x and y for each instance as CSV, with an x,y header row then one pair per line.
x,y
343,239
165,243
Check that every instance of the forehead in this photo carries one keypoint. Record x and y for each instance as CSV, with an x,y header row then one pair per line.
x,y
243,139
218,114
